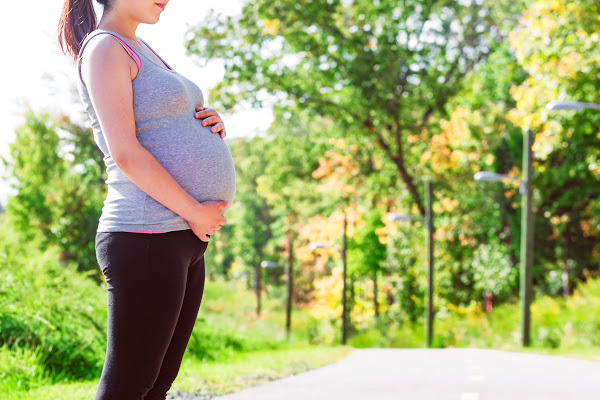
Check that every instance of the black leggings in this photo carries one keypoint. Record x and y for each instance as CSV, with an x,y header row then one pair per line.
x,y
155,284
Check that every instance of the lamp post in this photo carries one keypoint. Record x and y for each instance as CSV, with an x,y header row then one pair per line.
x,y
290,287
560,105
492,176
314,246
428,222
526,275
571,105
525,188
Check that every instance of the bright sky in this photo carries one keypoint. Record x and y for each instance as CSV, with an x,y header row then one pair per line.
x,y
35,71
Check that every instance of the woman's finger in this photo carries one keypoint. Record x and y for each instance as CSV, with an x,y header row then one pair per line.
x,y
206,112
218,127
210,117
211,121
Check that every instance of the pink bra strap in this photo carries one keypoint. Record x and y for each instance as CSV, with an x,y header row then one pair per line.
x,y
125,45
137,59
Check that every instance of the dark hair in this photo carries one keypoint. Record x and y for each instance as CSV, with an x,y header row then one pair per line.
x,y
77,19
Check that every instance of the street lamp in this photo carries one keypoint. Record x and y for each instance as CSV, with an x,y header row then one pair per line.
x,y
526,275
525,188
267,264
570,105
400,217
428,222
314,246
491,176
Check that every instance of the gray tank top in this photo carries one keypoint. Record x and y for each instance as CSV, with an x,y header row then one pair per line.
x,y
164,103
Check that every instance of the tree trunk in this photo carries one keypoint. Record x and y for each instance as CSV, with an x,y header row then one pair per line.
x,y
375,302
257,287
288,320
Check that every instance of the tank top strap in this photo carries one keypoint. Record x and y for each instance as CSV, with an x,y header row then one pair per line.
x,y
124,42
155,53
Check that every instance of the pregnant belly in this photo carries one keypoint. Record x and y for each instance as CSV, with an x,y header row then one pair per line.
x,y
198,160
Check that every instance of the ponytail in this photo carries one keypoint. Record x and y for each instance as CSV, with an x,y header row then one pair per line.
x,y
77,19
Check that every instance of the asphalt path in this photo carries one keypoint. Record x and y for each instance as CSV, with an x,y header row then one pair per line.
x,y
437,374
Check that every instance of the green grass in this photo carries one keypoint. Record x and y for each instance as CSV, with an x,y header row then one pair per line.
x,y
580,353
53,331
53,327
227,337
249,369
565,327
213,377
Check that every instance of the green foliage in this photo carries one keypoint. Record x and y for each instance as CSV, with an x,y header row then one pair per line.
x,y
406,260
400,337
323,330
567,325
366,253
21,368
493,271
227,324
49,312
211,377
35,165
557,45
53,319
370,98
60,187
380,70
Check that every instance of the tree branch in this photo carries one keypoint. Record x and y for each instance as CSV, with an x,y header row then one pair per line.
x,y
398,159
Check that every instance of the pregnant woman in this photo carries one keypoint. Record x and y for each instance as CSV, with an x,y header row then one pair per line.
x,y
171,180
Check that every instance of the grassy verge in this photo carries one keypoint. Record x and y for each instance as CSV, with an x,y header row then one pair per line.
x,y
562,327
582,353
213,377
250,369
53,331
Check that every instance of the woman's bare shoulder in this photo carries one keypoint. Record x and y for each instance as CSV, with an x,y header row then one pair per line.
x,y
106,53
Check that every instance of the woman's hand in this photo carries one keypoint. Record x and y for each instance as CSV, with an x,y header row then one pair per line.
x,y
207,219
211,118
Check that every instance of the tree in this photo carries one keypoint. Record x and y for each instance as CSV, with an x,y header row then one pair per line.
x,y
34,165
253,218
60,186
366,252
292,150
379,69
557,44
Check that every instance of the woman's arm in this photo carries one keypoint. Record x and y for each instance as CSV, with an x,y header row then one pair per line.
x,y
150,176
108,71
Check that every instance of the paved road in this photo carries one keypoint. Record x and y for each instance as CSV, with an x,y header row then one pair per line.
x,y
437,374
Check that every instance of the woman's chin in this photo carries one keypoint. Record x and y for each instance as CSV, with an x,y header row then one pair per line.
x,y
153,20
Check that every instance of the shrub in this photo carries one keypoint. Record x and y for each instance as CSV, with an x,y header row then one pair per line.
x,y
51,310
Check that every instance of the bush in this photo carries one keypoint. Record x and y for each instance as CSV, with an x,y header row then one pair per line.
x,y
20,368
322,330
51,310
556,323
